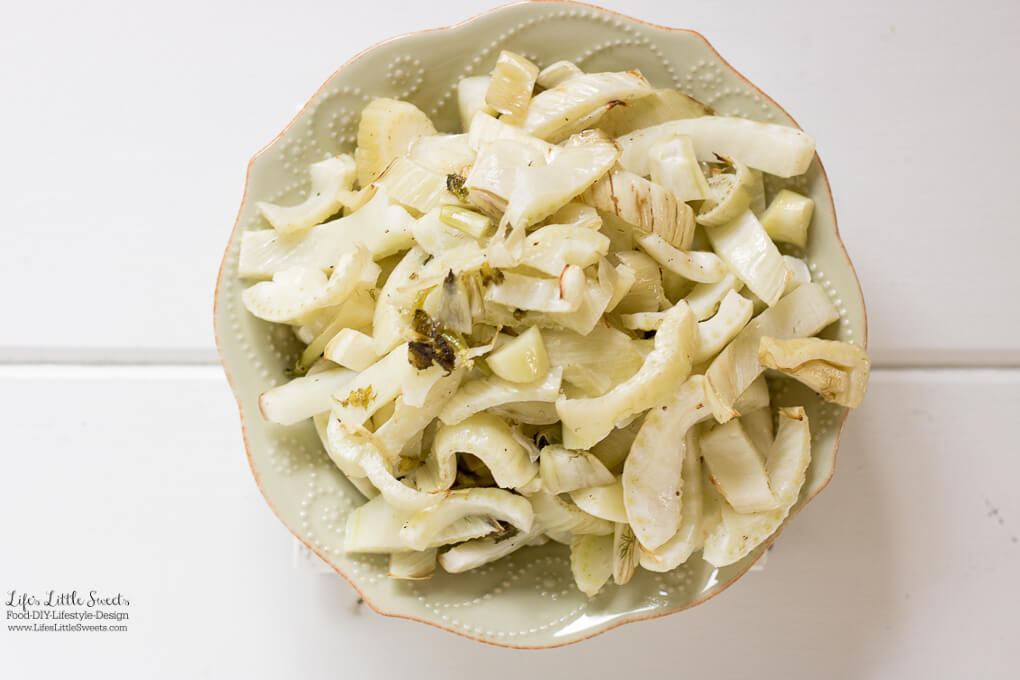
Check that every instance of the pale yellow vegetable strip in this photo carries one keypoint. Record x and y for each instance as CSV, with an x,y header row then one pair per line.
x,y
602,501
705,298
714,333
688,537
586,421
803,312
328,179
413,566
557,72
643,204
386,131
652,473
489,439
769,147
836,370
736,468
752,256
673,165
789,455
788,217
483,393
591,561
553,113
699,266
513,80
502,505
541,190
471,99
382,228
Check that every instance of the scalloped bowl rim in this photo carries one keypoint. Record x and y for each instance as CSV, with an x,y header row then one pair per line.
x,y
243,416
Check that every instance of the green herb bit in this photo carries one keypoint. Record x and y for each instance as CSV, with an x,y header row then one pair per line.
x,y
454,339
470,222
444,354
424,325
420,354
359,398
490,274
626,541
455,185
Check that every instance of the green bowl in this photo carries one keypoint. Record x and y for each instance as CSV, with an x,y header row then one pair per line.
x,y
527,599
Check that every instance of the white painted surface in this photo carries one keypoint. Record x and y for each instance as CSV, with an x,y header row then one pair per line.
x,y
130,125
128,130
135,480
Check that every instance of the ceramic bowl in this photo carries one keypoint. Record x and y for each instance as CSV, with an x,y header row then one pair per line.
x,y
527,599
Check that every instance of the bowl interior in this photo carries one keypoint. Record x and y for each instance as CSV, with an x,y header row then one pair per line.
x,y
527,599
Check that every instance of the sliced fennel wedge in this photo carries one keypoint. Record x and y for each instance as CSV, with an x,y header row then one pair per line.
x,y
788,217
558,515
586,421
563,470
715,333
555,113
541,190
557,72
472,554
694,265
445,154
775,149
391,315
328,179
413,566
304,397
488,438
591,562
386,132
382,228
602,501
643,204
541,294
789,455
688,536
583,357
836,370
659,107
293,293
425,526
351,349
673,165
411,185
510,89
551,248
737,534
805,311
705,298
736,469
375,528
471,99
752,256
521,360
652,473
483,393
